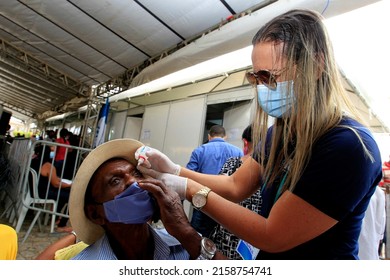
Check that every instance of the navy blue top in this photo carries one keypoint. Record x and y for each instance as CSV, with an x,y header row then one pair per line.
x,y
339,181
210,157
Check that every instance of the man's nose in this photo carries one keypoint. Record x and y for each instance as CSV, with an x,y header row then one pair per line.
x,y
129,179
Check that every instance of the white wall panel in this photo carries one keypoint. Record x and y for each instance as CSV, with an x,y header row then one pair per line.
x,y
117,125
133,128
235,120
154,125
184,129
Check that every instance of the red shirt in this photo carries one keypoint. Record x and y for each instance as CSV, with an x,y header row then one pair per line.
x,y
386,174
60,153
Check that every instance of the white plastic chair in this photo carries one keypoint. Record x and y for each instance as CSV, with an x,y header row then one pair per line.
x,y
34,202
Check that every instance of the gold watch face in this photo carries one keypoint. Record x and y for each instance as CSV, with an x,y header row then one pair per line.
x,y
198,200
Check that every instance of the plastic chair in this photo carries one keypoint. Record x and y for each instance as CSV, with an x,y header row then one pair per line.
x,y
35,203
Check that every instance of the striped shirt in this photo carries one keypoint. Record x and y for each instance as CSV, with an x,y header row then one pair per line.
x,y
166,247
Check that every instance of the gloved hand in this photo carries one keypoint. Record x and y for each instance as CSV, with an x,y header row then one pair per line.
x,y
152,158
174,182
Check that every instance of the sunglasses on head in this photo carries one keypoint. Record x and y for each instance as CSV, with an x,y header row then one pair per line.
x,y
264,77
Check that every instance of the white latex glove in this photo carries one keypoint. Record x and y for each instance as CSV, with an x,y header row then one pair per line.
x,y
154,159
174,182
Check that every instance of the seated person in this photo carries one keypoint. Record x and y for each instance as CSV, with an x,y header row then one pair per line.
x,y
8,243
58,190
111,214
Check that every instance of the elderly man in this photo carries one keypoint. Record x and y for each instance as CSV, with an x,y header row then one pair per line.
x,y
112,214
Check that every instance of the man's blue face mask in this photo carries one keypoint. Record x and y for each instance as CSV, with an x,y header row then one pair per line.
x,y
132,206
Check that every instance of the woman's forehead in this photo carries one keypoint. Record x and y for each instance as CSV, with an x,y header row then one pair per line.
x,y
267,55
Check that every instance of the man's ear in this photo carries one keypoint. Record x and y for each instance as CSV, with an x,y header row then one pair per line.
x,y
246,147
95,213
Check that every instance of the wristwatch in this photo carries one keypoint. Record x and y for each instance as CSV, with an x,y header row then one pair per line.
x,y
199,199
207,249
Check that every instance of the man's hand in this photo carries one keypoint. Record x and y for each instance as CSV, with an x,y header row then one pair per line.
x,y
174,182
173,216
152,158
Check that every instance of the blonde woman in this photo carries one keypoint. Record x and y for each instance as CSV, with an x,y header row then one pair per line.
x,y
317,165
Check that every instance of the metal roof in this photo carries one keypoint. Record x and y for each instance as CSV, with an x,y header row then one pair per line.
x,y
53,51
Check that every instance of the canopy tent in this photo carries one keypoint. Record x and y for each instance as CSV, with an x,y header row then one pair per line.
x,y
54,53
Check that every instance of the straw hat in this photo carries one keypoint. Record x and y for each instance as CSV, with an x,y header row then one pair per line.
x,y
86,230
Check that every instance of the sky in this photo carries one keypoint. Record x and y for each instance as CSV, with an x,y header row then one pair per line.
x,y
361,50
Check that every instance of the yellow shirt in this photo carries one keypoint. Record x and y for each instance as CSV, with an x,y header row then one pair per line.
x,y
8,243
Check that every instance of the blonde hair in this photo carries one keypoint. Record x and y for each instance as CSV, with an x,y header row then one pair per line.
x,y
320,98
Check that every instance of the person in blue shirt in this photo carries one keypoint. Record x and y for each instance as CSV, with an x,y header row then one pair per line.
x,y
316,163
209,159
225,241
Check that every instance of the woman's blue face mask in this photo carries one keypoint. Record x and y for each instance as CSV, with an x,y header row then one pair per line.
x,y
276,102
132,206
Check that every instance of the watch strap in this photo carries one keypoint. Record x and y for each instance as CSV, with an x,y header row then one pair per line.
x,y
204,192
